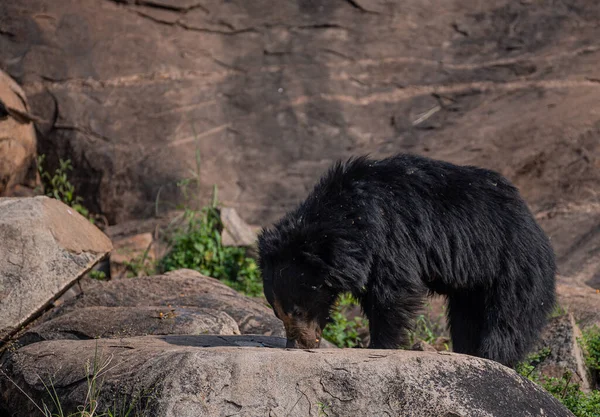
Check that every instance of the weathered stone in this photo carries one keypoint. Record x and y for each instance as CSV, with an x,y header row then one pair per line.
x,y
17,139
118,322
182,288
177,376
565,355
236,232
44,247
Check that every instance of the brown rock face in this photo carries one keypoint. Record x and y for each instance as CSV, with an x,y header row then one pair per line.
x,y
191,376
17,138
44,247
270,96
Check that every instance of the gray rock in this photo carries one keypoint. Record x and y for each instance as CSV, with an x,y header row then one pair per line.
x,y
181,376
44,247
182,288
118,322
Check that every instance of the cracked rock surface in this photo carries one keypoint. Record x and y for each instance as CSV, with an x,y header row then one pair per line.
x,y
181,376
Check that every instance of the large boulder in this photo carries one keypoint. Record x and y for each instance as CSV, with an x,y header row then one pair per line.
x,y
17,138
182,288
44,247
181,376
270,96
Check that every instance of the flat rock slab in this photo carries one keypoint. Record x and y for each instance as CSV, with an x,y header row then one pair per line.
x,y
173,377
44,247
178,289
117,322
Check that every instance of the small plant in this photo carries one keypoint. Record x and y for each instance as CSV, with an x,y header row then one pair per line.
x,y
528,366
141,265
341,331
558,311
323,409
427,328
59,187
197,245
579,403
564,389
99,275
94,374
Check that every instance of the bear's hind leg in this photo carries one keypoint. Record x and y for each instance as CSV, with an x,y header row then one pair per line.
x,y
514,319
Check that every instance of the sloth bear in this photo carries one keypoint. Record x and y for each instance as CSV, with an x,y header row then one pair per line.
x,y
391,232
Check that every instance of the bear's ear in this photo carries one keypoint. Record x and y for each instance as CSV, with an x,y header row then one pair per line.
x,y
269,245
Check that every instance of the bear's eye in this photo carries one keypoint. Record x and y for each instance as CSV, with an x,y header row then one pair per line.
x,y
296,312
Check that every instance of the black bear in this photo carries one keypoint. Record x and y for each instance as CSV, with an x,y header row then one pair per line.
x,y
391,232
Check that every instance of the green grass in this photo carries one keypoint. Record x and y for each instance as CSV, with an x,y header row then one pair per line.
x,y
92,405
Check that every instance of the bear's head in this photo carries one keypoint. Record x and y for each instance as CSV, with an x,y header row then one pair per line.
x,y
296,284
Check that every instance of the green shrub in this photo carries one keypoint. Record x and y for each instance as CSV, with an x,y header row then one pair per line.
x,y
341,331
567,392
591,345
581,404
197,245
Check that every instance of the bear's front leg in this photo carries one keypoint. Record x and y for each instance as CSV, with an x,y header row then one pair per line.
x,y
391,314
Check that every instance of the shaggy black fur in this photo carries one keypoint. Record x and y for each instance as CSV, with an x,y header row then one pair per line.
x,y
391,231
